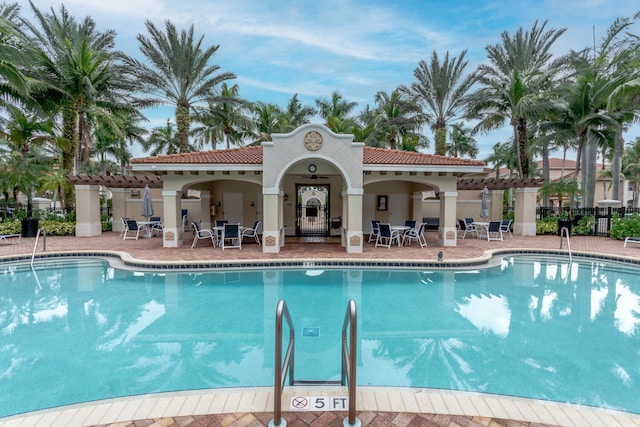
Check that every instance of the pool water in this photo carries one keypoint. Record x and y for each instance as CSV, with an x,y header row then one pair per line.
x,y
77,331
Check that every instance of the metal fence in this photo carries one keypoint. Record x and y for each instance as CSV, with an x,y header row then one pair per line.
x,y
603,215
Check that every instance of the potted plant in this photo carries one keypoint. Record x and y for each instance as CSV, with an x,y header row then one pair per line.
x,y
564,221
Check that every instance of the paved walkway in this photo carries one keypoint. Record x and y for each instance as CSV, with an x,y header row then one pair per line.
x,y
375,408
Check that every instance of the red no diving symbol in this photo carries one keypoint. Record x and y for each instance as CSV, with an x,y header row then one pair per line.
x,y
299,402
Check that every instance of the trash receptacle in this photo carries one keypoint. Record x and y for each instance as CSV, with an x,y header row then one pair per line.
x,y
29,227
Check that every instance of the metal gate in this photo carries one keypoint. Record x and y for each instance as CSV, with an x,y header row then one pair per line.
x,y
312,220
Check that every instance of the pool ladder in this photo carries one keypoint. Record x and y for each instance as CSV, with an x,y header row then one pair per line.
x,y
35,245
284,367
564,231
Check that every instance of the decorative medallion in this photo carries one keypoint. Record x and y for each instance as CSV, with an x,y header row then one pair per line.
x,y
354,241
313,140
451,235
270,241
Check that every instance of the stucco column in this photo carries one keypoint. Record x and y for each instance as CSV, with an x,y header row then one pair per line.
x,y
353,232
495,204
447,232
416,214
88,211
524,222
205,209
172,233
119,207
272,233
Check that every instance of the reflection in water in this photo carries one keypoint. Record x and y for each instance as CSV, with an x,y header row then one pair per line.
x,y
543,328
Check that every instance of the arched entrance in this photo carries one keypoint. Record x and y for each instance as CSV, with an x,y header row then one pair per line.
x,y
312,210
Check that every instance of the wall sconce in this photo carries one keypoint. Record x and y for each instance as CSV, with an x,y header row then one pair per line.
x,y
286,197
219,204
252,204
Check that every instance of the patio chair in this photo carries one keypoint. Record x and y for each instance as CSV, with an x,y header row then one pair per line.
x,y
124,220
409,223
505,227
415,235
494,231
252,232
231,234
157,227
374,230
132,229
201,234
386,236
467,228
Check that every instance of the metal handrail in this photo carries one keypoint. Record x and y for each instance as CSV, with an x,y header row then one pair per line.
x,y
281,367
35,245
349,359
563,231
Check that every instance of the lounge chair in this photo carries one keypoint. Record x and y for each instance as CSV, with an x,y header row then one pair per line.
x,y
4,238
631,240
157,227
132,229
202,233
231,234
415,235
252,232
386,236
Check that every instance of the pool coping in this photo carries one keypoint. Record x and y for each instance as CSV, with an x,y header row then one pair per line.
x,y
488,258
369,399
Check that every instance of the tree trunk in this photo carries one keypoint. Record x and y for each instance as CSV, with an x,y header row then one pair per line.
x,y
441,140
616,167
183,121
589,174
546,175
524,158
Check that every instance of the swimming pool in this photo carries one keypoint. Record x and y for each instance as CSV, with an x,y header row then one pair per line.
x,y
536,327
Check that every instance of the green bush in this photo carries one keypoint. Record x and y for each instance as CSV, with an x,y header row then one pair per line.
x,y
10,227
585,225
55,227
625,227
548,225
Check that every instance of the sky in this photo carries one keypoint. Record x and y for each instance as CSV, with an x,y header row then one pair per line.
x,y
278,48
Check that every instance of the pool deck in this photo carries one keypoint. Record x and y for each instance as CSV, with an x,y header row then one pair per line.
x,y
376,406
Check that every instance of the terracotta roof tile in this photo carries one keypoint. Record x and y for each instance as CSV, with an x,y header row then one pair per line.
x,y
253,156
243,155
383,156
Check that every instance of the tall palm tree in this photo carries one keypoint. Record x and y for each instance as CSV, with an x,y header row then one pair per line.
x,y
520,69
14,56
462,142
180,73
297,114
441,88
336,112
269,118
398,116
162,140
227,115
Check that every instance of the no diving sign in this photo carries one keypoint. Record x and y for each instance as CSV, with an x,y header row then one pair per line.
x,y
319,403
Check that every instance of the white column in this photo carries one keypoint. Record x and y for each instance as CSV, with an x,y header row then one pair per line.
x,y
354,240
88,211
448,232
524,222
272,235
172,233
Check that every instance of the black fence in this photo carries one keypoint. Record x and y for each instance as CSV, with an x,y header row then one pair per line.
x,y
603,216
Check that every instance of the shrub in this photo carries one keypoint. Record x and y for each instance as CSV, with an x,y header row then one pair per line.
x,y
548,225
585,225
625,227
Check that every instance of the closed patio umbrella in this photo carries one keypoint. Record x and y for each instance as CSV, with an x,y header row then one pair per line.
x,y
147,205
484,210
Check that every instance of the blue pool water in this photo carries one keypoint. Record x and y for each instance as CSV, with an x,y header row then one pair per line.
x,y
76,331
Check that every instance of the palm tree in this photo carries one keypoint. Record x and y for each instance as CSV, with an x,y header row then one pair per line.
x,y
269,118
441,88
513,84
14,56
462,143
502,156
631,169
397,117
180,73
162,140
336,112
296,114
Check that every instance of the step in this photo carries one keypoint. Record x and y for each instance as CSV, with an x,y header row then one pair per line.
x,y
317,382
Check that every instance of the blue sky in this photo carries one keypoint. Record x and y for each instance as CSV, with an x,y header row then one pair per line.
x,y
358,47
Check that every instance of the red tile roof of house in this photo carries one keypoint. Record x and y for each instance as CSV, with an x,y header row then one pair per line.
x,y
253,156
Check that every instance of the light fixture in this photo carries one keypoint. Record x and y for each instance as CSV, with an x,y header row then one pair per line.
x,y
252,204
219,204
286,196
312,168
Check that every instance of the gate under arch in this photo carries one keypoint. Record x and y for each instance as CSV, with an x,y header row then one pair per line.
x,y
312,210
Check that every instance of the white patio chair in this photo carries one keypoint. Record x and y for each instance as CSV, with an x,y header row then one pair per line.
x,y
494,231
132,229
201,234
374,231
505,227
415,235
231,234
252,232
386,236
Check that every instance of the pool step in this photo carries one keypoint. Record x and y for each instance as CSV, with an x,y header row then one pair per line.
x,y
317,382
